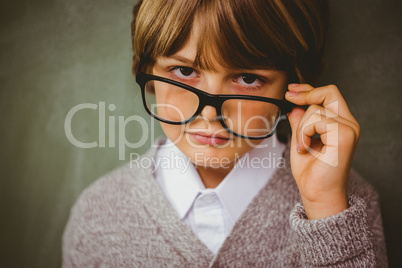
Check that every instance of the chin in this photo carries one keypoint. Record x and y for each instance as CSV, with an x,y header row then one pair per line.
x,y
212,156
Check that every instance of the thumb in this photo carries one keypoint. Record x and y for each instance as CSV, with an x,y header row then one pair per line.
x,y
295,117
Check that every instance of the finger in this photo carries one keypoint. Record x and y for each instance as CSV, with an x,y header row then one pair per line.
x,y
326,96
306,131
326,148
320,125
332,133
299,87
328,113
335,139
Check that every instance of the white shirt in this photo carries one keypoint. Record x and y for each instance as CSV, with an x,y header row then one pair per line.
x,y
211,213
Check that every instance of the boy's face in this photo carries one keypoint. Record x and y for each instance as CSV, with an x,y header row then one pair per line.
x,y
204,140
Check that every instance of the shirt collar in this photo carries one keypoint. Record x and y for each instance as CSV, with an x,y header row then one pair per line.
x,y
181,183
177,178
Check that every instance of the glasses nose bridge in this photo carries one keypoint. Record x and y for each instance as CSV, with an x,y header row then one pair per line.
x,y
207,99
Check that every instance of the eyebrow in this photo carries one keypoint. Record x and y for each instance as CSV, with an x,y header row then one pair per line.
x,y
182,59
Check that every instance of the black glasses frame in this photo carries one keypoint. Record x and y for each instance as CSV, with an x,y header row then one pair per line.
x,y
214,100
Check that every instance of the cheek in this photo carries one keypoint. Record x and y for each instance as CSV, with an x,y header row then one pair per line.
x,y
173,132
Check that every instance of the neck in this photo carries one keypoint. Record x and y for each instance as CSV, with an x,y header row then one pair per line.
x,y
212,177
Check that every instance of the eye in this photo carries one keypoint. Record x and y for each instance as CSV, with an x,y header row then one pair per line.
x,y
249,80
184,72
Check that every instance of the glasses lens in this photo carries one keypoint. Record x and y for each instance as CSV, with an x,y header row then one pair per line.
x,y
250,118
169,102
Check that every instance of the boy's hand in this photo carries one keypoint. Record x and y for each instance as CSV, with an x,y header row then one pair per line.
x,y
321,166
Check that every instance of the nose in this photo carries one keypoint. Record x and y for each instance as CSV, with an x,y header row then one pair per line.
x,y
209,113
212,83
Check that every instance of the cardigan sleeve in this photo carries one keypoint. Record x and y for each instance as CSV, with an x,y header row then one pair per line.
x,y
352,238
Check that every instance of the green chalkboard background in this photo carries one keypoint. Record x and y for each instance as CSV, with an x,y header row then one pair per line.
x,y
57,54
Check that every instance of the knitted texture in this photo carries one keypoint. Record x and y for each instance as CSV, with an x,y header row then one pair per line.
x,y
124,220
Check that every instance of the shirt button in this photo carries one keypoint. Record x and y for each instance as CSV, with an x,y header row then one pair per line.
x,y
208,199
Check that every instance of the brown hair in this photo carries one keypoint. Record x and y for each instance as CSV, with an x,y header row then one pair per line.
x,y
248,34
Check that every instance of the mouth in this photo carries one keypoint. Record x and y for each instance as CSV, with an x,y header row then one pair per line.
x,y
209,138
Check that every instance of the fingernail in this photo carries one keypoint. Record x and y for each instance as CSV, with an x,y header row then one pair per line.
x,y
298,147
293,85
292,93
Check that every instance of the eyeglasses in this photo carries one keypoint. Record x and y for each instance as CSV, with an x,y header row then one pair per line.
x,y
245,116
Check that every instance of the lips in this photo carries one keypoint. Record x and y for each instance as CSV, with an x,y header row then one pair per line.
x,y
208,138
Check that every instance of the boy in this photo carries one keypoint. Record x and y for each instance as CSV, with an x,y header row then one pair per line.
x,y
215,73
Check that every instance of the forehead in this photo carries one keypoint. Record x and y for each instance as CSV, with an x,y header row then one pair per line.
x,y
210,50
189,48
233,35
